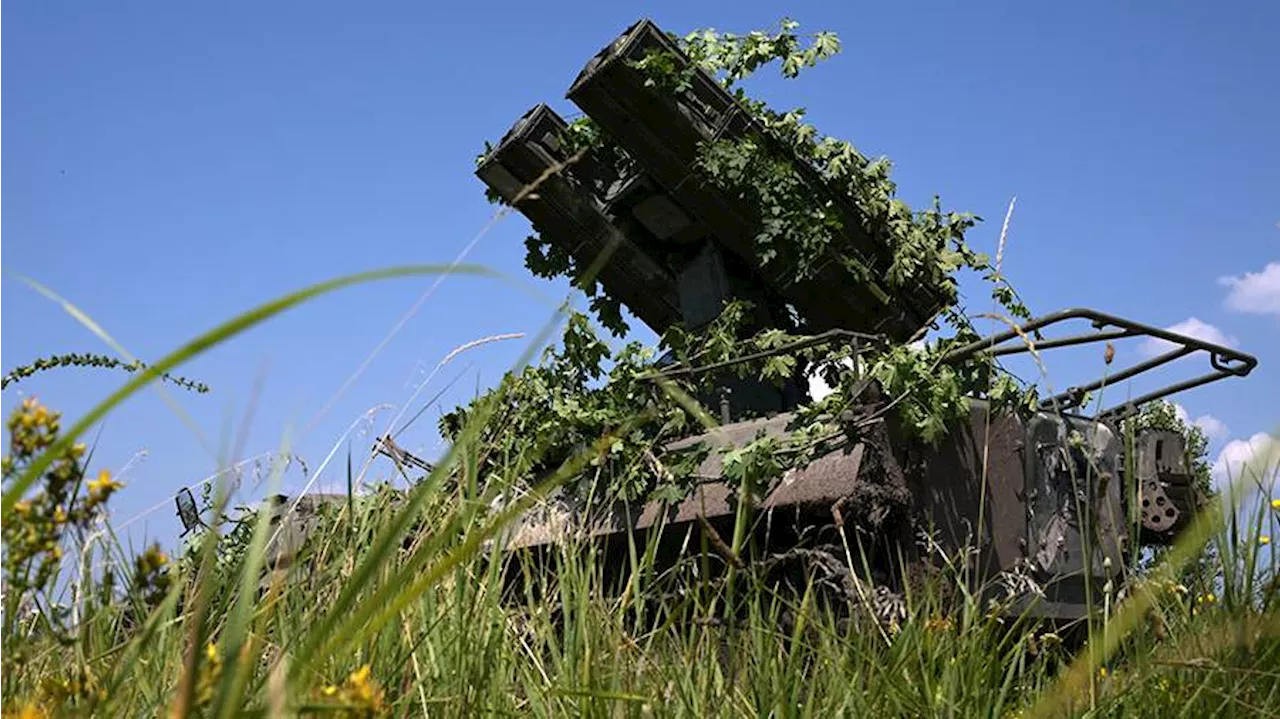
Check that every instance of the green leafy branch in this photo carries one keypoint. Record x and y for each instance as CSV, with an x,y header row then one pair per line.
x,y
580,390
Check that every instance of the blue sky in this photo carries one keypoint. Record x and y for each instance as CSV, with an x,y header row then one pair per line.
x,y
169,165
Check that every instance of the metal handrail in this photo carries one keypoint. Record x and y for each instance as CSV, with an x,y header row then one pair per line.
x,y
1225,361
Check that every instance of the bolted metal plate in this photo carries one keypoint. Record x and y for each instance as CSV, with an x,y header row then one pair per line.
x,y
1165,485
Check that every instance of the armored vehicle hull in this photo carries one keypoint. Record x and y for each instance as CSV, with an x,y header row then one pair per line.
x,y
1041,509
1026,503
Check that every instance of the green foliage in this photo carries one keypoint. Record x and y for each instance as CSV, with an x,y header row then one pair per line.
x,y
808,190
580,391
732,58
400,610
423,624
554,408
805,215
821,202
65,509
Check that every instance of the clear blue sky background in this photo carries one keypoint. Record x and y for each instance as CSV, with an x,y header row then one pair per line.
x,y
170,164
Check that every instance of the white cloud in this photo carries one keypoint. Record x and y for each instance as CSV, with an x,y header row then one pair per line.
x,y
1191,327
1254,459
1214,429
1255,292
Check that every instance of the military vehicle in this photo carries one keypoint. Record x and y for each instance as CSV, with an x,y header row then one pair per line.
x,y
1053,497
1046,505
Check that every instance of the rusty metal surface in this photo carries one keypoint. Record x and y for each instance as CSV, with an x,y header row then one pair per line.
x,y
565,210
664,135
819,485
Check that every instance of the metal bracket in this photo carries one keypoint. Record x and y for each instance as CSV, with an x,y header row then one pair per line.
x,y
188,512
387,447
1226,362
857,340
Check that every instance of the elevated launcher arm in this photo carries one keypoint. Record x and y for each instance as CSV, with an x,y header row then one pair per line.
x,y
1226,362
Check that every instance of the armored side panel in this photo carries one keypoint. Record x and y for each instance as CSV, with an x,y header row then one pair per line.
x,y
968,491
663,135
811,490
1166,488
1039,500
1076,528
566,210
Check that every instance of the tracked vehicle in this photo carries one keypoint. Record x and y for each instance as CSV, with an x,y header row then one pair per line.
x,y
1047,505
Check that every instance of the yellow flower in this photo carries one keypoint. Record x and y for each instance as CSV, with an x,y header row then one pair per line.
x,y
102,487
937,624
1209,598
359,681
32,711
1275,504
59,516
22,507
359,690
1264,540
1102,672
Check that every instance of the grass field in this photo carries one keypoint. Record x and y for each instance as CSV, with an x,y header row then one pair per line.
x,y
396,611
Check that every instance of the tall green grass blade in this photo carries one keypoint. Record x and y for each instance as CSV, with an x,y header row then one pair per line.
x,y
396,526
83,318
123,670
239,664
384,605
203,342
196,621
